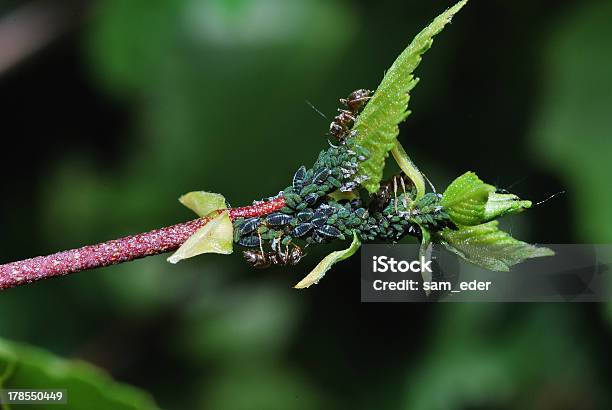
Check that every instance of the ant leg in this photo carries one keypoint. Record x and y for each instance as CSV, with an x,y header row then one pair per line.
x,y
405,197
300,248
433,188
395,193
332,145
260,246
276,242
264,257
349,114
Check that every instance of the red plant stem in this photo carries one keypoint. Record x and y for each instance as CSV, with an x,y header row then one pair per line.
x,y
118,250
260,209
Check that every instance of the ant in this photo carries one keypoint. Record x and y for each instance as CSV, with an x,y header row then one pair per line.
x,y
343,122
389,187
262,260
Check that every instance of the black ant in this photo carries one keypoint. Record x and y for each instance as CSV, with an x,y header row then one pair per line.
x,y
341,125
388,188
262,260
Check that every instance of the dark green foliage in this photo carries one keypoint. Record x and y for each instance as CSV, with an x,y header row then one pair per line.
x,y
23,367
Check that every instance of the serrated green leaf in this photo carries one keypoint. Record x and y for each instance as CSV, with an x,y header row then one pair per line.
x,y
319,271
411,170
377,126
488,247
469,201
465,199
499,205
202,202
87,387
214,237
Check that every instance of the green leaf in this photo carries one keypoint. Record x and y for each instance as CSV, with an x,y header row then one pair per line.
x,y
377,126
469,201
202,202
488,247
87,387
319,271
465,199
411,170
214,237
499,205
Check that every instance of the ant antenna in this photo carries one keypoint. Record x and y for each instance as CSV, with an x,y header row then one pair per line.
x,y
405,197
395,193
315,108
520,181
332,145
549,198
433,188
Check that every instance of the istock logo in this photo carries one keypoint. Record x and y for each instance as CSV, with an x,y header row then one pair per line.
x,y
385,264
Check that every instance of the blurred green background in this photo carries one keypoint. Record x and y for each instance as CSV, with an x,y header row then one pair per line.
x,y
112,109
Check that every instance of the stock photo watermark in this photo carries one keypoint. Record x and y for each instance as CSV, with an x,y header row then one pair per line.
x,y
400,273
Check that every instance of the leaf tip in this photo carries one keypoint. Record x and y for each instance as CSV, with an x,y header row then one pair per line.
x,y
322,267
543,251
173,259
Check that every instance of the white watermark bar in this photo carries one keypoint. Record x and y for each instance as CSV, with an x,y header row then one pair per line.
x,y
397,273
33,397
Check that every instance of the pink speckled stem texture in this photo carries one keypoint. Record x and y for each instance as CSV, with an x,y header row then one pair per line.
x,y
118,250
95,256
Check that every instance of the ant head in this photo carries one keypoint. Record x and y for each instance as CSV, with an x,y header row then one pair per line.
x,y
250,256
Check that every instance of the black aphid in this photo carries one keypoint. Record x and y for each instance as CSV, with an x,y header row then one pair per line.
x,y
298,178
318,222
249,225
278,219
302,229
305,215
311,199
323,211
321,175
250,241
329,231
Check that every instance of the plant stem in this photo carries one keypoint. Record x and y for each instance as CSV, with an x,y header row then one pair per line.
x,y
118,250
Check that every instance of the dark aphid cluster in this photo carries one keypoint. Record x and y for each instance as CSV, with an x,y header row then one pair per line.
x,y
428,212
337,220
315,229
340,128
311,214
